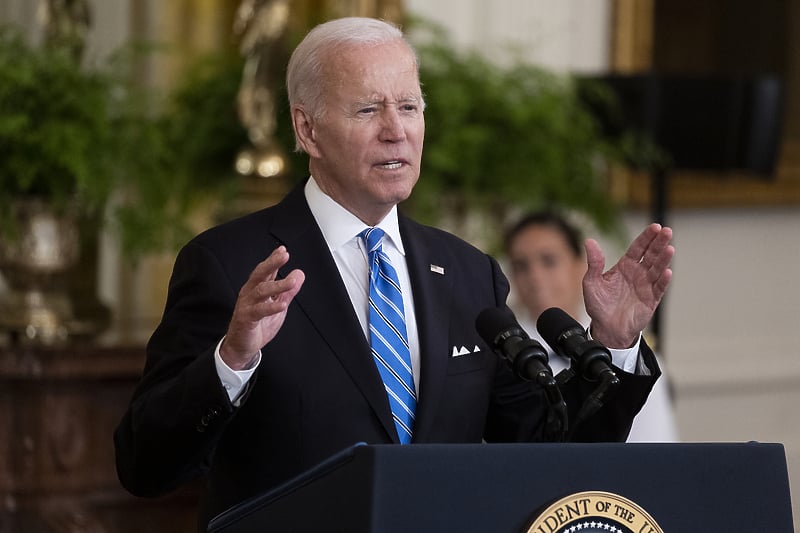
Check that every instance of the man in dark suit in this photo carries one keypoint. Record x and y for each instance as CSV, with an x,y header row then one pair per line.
x,y
261,366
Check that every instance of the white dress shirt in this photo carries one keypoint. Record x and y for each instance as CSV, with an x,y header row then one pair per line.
x,y
341,230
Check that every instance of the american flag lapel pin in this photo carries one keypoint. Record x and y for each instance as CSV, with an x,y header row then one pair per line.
x,y
437,269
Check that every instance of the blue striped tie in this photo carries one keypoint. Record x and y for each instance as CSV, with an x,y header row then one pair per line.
x,y
387,334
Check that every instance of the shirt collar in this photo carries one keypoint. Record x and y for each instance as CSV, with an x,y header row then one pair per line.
x,y
339,225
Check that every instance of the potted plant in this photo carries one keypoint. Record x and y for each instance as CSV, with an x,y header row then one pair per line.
x,y
85,148
504,138
57,169
55,129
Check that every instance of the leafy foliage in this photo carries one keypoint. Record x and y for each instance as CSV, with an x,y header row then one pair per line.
x,y
190,145
56,127
98,140
497,138
500,136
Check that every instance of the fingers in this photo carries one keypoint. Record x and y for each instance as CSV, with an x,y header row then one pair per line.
x,y
652,248
657,257
595,259
260,308
661,283
274,296
263,294
657,263
640,245
267,270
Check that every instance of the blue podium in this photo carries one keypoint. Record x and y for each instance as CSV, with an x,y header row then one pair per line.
x,y
503,488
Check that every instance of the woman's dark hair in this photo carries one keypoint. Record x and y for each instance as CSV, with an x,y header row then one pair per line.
x,y
551,219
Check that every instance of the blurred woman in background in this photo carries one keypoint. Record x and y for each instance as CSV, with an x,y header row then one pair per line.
x,y
547,264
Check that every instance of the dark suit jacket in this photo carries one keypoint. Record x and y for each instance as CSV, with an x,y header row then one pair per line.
x,y
317,389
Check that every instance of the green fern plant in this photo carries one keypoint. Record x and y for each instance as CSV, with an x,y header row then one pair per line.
x,y
99,142
504,138
56,128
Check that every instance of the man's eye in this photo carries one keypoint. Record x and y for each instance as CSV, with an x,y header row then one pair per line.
x,y
366,110
411,108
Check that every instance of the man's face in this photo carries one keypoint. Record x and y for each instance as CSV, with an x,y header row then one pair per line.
x,y
545,270
366,148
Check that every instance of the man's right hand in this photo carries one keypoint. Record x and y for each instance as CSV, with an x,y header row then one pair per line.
x,y
260,310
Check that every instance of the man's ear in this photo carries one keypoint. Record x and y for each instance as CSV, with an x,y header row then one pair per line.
x,y
303,124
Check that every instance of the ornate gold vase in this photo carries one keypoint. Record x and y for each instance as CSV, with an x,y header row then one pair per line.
x,y
34,262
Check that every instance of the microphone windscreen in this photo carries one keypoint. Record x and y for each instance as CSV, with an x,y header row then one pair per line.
x,y
553,322
493,321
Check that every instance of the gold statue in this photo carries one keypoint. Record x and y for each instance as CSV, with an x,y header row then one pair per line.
x,y
263,27
66,24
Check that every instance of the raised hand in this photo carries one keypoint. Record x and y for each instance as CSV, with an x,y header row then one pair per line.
x,y
622,300
260,310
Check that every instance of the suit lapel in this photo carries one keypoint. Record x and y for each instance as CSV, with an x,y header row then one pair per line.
x,y
432,287
324,300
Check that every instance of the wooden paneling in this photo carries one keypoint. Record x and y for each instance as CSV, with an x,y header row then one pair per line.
x,y
58,411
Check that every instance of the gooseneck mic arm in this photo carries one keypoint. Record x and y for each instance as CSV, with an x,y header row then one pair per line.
x,y
498,327
591,359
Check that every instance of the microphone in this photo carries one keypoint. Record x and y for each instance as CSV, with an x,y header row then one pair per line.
x,y
499,329
593,360
568,338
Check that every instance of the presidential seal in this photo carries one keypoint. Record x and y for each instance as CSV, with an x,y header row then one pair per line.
x,y
589,512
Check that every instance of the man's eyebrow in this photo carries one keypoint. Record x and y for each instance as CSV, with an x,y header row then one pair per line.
x,y
356,105
382,100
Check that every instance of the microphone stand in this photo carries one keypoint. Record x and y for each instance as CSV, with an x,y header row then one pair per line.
x,y
556,424
608,384
557,419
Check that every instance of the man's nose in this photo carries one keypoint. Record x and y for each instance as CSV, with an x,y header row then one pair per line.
x,y
392,128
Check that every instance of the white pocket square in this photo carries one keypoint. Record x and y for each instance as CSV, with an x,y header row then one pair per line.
x,y
463,350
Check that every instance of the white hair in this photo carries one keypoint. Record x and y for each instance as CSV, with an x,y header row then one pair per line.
x,y
305,83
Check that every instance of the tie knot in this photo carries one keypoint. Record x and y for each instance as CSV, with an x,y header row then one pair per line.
x,y
372,237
